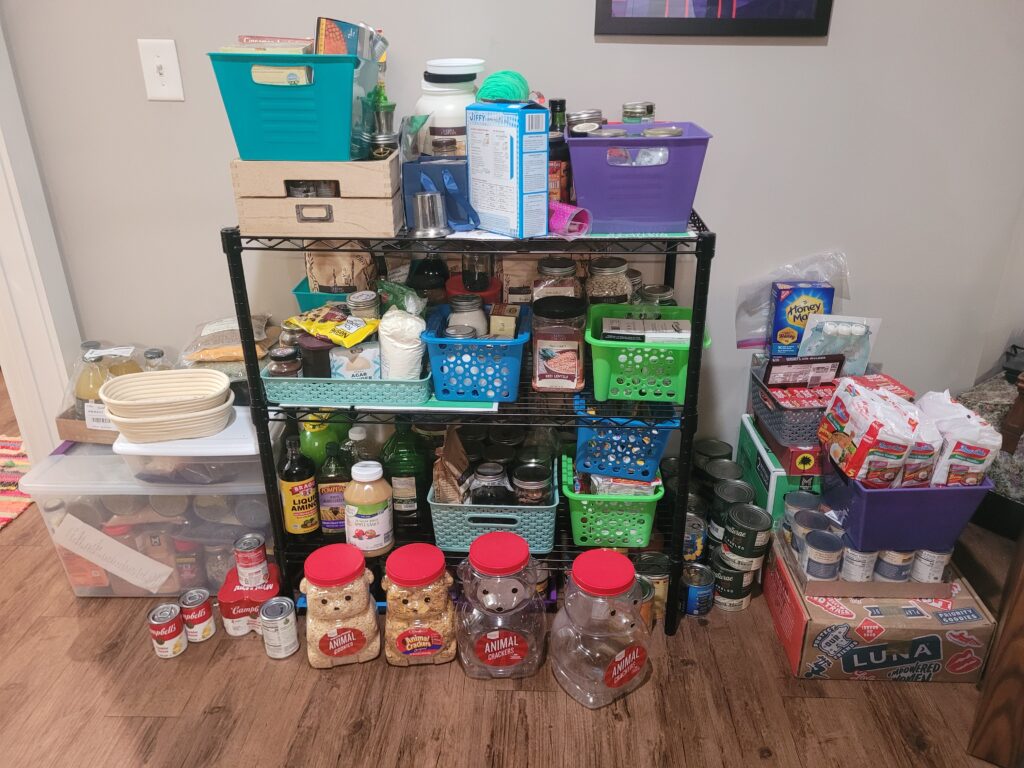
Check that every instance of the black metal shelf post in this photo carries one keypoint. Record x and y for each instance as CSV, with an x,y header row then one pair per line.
x,y
530,409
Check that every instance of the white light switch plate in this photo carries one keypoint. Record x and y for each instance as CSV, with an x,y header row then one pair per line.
x,y
160,70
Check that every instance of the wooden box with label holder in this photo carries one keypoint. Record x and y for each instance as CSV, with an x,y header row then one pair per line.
x,y
368,201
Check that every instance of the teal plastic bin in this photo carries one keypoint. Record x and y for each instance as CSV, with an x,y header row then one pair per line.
x,y
307,299
320,119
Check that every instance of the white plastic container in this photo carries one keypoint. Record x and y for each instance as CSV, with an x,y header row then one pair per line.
x,y
448,87
230,456
118,537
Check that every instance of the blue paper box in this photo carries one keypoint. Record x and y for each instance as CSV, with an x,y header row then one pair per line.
x,y
792,304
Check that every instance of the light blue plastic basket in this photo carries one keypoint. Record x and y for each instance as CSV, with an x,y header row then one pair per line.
x,y
307,299
319,120
343,392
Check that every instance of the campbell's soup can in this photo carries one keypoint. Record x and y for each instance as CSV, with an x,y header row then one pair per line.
x,y
280,627
197,613
251,560
167,629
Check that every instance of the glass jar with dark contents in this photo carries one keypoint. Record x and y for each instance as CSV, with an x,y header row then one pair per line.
x,y
284,363
533,485
500,454
490,486
507,434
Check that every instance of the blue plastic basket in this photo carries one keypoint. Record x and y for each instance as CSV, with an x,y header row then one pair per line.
x,y
307,299
475,370
630,448
317,120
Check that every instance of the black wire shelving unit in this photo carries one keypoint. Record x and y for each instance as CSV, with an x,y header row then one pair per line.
x,y
531,409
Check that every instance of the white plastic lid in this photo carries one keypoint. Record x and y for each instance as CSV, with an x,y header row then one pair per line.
x,y
357,433
367,471
858,329
238,438
455,66
843,329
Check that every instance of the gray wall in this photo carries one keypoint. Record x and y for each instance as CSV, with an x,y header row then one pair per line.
x,y
898,142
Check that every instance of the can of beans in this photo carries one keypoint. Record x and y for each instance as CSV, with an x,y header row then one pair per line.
x,y
646,601
930,565
709,449
251,559
699,581
893,565
654,566
858,565
822,556
805,521
724,603
695,537
729,581
727,493
748,530
197,613
167,629
280,627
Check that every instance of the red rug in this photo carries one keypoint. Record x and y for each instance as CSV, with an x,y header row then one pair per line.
x,y
13,464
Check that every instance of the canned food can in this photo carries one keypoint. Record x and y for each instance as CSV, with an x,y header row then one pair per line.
x,y
822,556
280,627
708,449
730,581
858,565
696,505
197,613
646,601
805,521
167,630
727,493
748,531
724,603
699,581
654,566
717,470
251,560
892,565
695,536
929,565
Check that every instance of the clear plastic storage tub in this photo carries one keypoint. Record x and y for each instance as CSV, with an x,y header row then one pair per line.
x,y
118,537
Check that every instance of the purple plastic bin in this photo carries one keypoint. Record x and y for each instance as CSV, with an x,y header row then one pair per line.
x,y
638,198
901,518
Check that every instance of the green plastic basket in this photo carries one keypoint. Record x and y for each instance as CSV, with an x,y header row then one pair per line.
x,y
623,370
344,392
608,521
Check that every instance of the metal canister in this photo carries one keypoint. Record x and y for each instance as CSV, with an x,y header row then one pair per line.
x,y
654,566
805,521
930,565
708,449
822,556
167,630
583,116
858,564
646,601
730,582
280,627
727,493
251,559
699,581
714,472
695,538
197,613
748,531
893,565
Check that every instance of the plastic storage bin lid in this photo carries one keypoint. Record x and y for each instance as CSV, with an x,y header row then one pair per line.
x,y
238,438
90,472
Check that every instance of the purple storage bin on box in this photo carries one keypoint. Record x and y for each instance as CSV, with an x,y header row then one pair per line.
x,y
626,198
901,518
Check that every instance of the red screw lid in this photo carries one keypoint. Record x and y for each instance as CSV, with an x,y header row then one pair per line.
x,y
415,565
603,573
334,565
500,553
116,530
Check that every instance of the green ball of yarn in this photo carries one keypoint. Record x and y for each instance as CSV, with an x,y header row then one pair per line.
x,y
506,85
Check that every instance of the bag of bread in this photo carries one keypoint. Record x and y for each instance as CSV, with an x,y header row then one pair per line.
x,y
340,272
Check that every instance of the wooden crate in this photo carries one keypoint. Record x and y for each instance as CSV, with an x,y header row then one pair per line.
x,y
369,202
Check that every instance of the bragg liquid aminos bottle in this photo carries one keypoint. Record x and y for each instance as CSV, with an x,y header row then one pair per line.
x,y
297,479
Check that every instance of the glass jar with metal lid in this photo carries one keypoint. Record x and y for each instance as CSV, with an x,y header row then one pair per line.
x,y
662,132
468,309
663,295
608,133
382,145
290,333
460,332
284,363
634,112
490,485
608,282
583,116
444,146
557,277
532,483
500,454
364,304
636,282
507,434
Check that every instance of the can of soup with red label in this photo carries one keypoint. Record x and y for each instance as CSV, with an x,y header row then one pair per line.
x,y
251,559
167,629
197,613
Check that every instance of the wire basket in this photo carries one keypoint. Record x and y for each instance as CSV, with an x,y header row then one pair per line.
x,y
790,427
608,521
623,447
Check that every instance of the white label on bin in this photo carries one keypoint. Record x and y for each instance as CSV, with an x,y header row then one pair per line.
x,y
96,417
113,556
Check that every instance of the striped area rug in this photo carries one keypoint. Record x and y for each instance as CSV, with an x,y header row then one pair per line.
x,y
13,464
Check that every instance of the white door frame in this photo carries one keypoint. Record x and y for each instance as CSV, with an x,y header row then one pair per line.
x,y
39,333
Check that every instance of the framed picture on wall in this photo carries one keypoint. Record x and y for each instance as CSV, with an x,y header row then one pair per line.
x,y
761,18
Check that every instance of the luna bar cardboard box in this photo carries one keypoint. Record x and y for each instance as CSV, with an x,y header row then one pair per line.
x,y
899,639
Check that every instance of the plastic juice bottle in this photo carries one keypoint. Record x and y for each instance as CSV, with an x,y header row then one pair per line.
x,y
297,480
87,385
340,423
356,444
405,468
334,477
314,435
368,522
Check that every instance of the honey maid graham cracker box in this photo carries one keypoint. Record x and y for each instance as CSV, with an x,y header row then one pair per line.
x,y
792,304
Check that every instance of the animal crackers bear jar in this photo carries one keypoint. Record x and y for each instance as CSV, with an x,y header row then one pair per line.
x,y
420,623
341,617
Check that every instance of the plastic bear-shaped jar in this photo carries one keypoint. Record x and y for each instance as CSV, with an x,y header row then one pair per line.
x,y
598,639
420,623
501,615
341,617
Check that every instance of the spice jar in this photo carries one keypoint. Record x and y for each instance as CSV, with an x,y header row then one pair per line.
x,y
290,333
557,277
468,309
341,617
490,486
444,146
316,357
662,295
364,304
501,623
284,363
573,119
608,282
383,145
420,624
636,282
558,325
634,112
532,484
599,639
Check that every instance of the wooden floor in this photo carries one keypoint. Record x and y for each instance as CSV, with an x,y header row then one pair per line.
x,y
81,686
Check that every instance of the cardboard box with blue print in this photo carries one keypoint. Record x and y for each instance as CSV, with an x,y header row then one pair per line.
x,y
899,639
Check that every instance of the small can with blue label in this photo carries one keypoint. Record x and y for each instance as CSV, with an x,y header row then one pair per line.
x,y
893,565
822,556
695,538
699,581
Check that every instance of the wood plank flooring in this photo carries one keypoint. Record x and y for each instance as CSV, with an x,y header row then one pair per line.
x,y
81,686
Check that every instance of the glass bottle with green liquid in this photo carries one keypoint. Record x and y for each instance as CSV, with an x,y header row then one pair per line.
x,y
405,467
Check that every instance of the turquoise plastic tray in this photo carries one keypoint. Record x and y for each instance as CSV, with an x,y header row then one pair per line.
x,y
307,299
343,392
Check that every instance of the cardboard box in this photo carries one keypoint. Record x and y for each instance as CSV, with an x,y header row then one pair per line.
x,y
508,167
503,319
369,202
792,304
878,638
74,430
765,473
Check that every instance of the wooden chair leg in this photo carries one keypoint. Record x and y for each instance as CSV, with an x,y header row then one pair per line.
x,y
998,732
